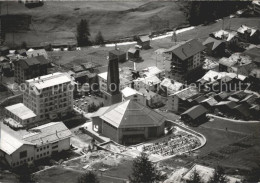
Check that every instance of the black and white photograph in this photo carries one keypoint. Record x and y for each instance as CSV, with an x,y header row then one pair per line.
x,y
122,91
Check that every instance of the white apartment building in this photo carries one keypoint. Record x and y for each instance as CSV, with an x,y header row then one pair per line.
x,y
37,143
49,96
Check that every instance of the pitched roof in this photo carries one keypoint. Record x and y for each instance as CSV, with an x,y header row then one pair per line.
x,y
21,111
200,98
77,68
229,104
195,111
89,65
215,42
172,86
8,142
211,101
127,91
48,133
132,50
205,173
253,52
243,109
151,71
33,53
131,114
255,73
223,33
187,93
243,28
26,63
151,80
147,93
144,38
187,49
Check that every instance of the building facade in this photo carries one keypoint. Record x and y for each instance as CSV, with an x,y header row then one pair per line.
x,y
186,60
49,96
29,68
37,143
134,122
182,100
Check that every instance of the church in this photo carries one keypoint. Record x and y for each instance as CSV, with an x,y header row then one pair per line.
x,y
128,122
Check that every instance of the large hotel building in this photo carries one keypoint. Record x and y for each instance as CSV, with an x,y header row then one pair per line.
x,y
49,96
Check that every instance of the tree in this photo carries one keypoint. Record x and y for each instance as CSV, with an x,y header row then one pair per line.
x,y
88,177
25,174
23,45
218,176
144,170
83,33
194,178
99,40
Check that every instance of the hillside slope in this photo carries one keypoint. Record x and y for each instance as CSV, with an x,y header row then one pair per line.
x,y
56,21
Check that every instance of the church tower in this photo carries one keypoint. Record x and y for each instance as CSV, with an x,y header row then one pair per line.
x,y
113,94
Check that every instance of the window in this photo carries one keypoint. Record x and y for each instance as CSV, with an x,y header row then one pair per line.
x,y
23,154
37,156
56,146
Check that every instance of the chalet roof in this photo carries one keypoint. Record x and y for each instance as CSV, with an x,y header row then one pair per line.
x,y
187,93
89,65
39,52
151,80
187,49
205,173
243,28
211,101
243,109
144,38
131,114
195,111
132,50
26,63
215,42
200,98
147,93
48,133
172,86
222,95
253,52
229,104
127,91
255,73
226,35
78,68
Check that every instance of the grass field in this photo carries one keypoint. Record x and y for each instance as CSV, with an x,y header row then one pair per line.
x,y
99,55
56,21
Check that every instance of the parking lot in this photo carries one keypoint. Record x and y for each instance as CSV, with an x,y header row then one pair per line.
x,y
88,103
